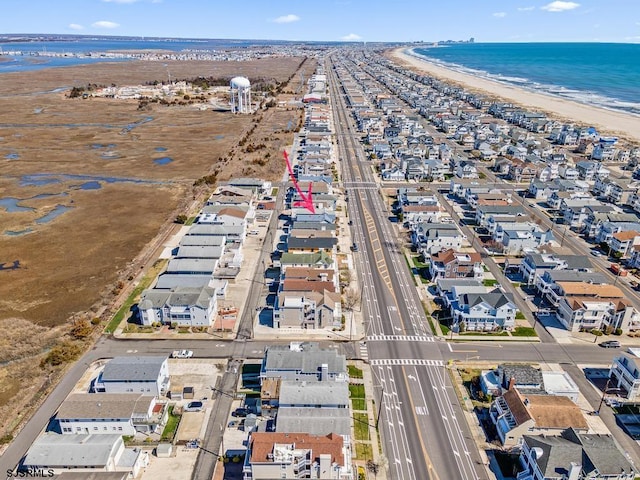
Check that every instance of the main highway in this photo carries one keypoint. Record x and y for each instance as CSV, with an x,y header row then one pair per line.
x,y
422,425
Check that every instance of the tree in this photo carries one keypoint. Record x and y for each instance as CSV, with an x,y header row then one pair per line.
x,y
351,299
373,467
181,219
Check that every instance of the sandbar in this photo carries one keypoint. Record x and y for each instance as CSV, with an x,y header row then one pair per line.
x,y
623,125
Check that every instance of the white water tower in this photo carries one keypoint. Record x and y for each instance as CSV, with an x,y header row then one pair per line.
x,y
240,95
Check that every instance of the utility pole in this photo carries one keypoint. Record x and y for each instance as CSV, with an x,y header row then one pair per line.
x,y
380,407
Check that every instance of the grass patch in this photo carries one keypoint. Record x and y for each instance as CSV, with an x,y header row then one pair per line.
x,y
363,451
190,221
172,425
445,328
524,332
361,426
418,263
468,374
489,282
358,404
131,299
354,372
520,316
274,191
431,324
487,334
356,391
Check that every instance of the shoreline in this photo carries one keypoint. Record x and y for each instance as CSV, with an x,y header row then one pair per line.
x,y
623,125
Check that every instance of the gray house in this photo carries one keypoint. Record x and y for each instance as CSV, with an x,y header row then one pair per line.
x,y
303,362
573,455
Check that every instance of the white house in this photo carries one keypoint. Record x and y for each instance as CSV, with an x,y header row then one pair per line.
x,y
184,306
625,374
105,414
136,374
84,453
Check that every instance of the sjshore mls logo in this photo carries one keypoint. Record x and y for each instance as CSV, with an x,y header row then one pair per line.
x,y
31,473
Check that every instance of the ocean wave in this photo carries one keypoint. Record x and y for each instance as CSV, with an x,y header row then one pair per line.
x,y
579,96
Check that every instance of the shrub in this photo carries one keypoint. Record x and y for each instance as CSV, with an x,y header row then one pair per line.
x,y
95,321
617,331
62,353
181,219
596,332
81,329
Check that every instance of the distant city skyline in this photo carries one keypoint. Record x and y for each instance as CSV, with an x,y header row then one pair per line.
x,y
334,20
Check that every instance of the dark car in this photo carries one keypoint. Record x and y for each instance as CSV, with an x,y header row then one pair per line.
x,y
354,247
610,344
240,412
350,222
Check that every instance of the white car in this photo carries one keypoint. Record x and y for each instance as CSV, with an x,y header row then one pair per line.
x,y
182,354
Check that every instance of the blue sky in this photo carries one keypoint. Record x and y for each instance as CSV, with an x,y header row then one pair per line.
x,y
333,20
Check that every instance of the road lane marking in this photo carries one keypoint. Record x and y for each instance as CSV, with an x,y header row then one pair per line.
x,y
418,362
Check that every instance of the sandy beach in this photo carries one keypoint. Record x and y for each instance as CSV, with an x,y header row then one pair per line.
x,y
623,125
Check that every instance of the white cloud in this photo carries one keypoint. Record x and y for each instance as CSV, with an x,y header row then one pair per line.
x,y
500,14
352,37
560,6
105,24
76,26
120,1
526,9
287,18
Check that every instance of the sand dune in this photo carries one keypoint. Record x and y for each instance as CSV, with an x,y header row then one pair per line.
x,y
623,125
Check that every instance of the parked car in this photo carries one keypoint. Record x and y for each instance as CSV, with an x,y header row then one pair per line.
x,y
596,253
196,406
610,344
354,247
240,412
182,354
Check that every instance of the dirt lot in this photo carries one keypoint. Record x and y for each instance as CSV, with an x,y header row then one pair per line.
x,y
93,160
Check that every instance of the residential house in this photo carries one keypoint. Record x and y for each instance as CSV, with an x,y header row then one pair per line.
x,y
134,374
515,242
534,265
483,311
83,453
182,306
106,414
308,309
586,307
310,244
297,455
466,169
516,414
452,264
616,190
548,283
320,259
303,362
623,242
573,455
526,378
625,375
430,238
510,211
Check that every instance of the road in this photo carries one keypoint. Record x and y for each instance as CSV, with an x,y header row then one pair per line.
x,y
422,425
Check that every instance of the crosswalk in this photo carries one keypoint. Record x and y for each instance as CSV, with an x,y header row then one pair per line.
x,y
364,353
405,362
400,338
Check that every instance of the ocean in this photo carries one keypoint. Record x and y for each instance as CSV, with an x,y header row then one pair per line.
x,y
601,74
